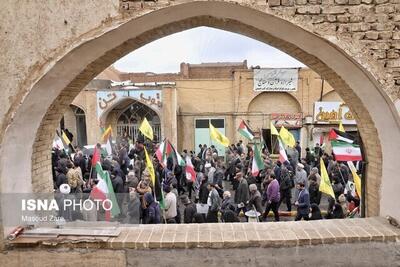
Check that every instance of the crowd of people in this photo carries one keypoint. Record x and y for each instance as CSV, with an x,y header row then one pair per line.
x,y
224,189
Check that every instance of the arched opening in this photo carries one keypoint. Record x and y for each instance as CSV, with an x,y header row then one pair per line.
x,y
128,115
31,131
81,135
266,108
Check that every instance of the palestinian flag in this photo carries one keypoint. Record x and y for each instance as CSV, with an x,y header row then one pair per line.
x,y
282,153
181,162
346,152
163,152
245,130
104,190
341,136
96,156
190,173
258,163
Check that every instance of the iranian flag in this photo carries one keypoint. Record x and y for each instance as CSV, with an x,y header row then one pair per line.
x,y
245,130
163,152
258,163
104,191
345,151
282,153
340,136
190,173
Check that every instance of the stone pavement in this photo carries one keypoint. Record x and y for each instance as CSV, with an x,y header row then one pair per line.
x,y
230,235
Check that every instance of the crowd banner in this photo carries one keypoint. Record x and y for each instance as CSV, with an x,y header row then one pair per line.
x,y
276,79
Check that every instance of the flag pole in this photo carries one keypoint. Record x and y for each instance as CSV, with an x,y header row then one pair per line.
x,y
90,175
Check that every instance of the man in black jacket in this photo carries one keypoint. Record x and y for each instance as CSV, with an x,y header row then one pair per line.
x,y
189,211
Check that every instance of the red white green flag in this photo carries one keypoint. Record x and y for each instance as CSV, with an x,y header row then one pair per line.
x,y
190,173
96,155
245,130
258,163
163,152
104,190
282,153
345,151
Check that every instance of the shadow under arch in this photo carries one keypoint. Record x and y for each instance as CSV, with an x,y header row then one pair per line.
x,y
29,131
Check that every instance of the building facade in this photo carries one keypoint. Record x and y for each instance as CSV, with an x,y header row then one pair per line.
x,y
180,106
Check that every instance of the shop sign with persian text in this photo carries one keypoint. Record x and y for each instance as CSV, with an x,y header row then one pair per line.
x,y
333,113
288,120
275,80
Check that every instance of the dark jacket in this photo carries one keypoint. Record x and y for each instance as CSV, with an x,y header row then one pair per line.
x,y
255,199
61,179
189,213
152,212
315,212
304,202
242,192
134,210
203,193
118,185
228,204
215,200
286,182
315,194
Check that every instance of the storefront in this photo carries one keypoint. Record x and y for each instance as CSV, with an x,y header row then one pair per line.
x,y
291,121
328,115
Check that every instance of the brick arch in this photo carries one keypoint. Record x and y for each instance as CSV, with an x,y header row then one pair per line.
x,y
283,98
31,130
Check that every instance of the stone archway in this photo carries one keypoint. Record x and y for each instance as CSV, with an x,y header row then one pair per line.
x,y
31,128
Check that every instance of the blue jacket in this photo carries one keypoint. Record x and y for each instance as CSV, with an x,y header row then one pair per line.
x,y
304,202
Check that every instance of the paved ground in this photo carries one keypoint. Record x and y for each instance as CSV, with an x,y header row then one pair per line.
x,y
227,186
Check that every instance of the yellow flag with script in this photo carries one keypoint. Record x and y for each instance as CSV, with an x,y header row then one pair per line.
x,y
150,167
356,178
274,131
325,185
146,129
218,136
287,137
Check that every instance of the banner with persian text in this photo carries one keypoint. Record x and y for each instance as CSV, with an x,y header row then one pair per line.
x,y
275,80
107,99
